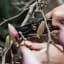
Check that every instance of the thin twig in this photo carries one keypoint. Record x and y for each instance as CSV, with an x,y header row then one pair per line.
x,y
11,18
29,13
4,55
5,52
57,47
18,8
12,57
22,36
49,36
26,5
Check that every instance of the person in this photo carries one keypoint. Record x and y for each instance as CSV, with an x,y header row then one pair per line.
x,y
39,49
57,15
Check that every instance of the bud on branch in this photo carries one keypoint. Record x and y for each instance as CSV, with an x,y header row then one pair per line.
x,y
13,33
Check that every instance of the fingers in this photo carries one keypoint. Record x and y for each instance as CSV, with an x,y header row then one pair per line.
x,y
36,46
28,43
32,46
49,14
23,47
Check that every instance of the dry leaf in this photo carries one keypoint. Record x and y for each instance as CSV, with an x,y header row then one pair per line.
x,y
41,29
8,42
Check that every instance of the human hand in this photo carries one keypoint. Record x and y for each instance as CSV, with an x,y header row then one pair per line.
x,y
39,50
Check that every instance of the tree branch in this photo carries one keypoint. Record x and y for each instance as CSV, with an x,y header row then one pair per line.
x,y
49,36
29,13
11,18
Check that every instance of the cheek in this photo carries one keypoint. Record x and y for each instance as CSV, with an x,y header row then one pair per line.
x,y
58,18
